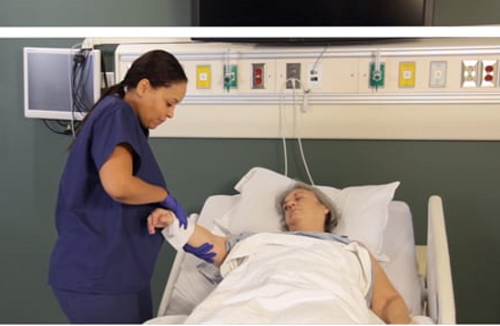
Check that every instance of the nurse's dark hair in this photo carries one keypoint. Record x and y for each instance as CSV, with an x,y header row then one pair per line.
x,y
331,218
160,67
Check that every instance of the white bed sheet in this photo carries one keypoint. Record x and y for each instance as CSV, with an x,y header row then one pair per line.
x,y
191,287
279,278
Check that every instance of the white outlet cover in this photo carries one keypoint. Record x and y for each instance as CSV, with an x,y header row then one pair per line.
x,y
313,76
469,73
437,74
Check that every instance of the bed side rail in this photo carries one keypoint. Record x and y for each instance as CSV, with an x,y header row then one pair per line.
x,y
440,295
175,271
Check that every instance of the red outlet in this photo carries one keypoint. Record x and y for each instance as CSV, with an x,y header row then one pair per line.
x,y
258,76
489,71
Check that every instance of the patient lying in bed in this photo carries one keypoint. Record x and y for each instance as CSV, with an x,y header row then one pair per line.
x,y
304,275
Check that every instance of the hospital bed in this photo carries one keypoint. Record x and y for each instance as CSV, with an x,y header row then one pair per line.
x,y
421,274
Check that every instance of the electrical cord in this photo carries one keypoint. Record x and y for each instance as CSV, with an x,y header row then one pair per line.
x,y
71,86
303,109
103,71
295,126
315,64
281,130
78,75
78,62
66,128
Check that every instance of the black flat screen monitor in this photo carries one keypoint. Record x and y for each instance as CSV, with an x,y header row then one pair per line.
x,y
321,13
309,13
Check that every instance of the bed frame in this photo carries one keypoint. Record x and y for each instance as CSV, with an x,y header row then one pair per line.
x,y
433,262
434,265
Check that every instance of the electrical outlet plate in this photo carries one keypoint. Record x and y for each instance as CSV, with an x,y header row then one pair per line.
x,y
314,76
293,72
470,69
407,71
488,73
437,74
258,76
203,76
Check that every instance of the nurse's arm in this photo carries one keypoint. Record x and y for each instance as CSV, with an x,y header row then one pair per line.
x,y
117,178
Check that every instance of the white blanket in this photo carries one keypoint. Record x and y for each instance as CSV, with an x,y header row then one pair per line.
x,y
288,279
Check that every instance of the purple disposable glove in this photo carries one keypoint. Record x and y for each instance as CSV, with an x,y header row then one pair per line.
x,y
172,204
202,252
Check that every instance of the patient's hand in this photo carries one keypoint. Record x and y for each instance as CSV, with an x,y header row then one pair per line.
x,y
159,218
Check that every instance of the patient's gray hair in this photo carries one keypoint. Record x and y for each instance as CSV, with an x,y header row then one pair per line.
x,y
332,218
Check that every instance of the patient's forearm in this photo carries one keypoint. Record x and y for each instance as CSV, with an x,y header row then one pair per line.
x,y
194,235
387,303
201,236
396,312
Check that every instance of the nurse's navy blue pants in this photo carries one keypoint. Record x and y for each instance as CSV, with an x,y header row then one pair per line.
x,y
92,308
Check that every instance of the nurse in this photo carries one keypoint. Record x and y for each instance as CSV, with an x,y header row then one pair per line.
x,y
102,263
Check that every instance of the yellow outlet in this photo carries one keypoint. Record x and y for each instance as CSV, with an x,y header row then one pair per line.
x,y
203,76
407,74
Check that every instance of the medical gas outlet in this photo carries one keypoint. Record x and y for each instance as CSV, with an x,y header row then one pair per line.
x,y
230,76
377,74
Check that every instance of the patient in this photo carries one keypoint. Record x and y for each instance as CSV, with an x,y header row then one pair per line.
x,y
306,211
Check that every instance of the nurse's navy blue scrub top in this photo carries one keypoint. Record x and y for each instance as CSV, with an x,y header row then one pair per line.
x,y
104,246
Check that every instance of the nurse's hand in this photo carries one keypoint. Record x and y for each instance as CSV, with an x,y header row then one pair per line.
x,y
172,204
158,219
203,252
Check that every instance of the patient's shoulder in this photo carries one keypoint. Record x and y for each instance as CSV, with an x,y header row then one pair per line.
x,y
232,240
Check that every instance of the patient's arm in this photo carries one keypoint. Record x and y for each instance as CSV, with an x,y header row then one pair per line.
x,y
387,303
161,218
201,236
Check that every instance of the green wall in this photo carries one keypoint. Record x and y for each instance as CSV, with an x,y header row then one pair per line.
x,y
465,174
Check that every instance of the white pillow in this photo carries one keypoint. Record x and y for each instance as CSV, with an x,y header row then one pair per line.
x,y
363,210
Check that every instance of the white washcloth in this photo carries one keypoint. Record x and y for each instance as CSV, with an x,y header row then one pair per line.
x,y
176,235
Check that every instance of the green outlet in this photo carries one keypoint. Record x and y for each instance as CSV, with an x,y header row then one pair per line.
x,y
230,77
377,77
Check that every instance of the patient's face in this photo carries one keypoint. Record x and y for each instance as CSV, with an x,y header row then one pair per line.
x,y
304,212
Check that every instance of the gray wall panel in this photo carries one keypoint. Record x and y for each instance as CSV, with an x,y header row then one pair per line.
x,y
465,174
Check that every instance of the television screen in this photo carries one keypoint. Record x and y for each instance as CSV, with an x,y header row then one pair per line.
x,y
321,13
60,83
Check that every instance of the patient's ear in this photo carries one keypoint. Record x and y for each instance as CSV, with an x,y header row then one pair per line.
x,y
326,210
